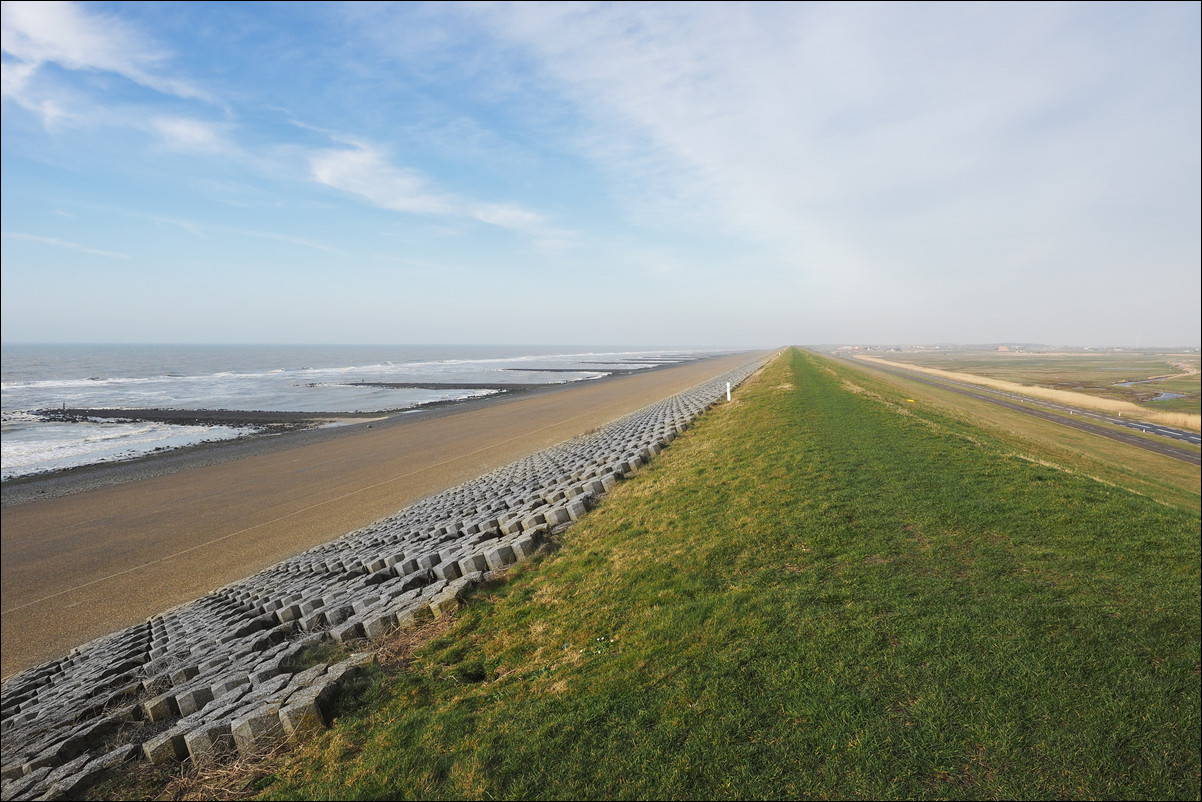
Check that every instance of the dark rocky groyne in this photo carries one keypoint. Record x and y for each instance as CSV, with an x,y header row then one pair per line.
x,y
233,672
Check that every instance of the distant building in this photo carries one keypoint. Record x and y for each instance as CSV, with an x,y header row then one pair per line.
x,y
1003,348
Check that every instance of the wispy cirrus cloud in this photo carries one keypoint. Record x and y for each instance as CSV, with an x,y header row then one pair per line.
x,y
850,135
210,230
364,171
188,134
58,243
76,38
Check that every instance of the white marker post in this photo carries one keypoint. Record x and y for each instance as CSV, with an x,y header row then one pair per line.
x,y
728,391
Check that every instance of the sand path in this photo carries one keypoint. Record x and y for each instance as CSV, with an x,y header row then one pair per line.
x,y
80,566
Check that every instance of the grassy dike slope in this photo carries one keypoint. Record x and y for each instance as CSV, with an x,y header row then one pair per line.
x,y
820,591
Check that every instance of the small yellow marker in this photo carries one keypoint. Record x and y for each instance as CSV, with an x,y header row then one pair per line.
x,y
911,400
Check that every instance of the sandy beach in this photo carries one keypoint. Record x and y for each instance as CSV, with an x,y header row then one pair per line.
x,y
77,565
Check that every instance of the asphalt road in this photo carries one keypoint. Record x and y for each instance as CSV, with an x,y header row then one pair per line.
x,y
1073,417
82,564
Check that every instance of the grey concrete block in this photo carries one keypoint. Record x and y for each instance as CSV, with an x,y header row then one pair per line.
x,y
556,516
192,700
306,678
576,508
338,614
525,546
210,742
444,604
311,605
161,707
313,621
533,521
181,676
473,564
349,631
166,747
346,669
378,625
258,730
74,785
302,717
230,683
64,771
19,787
500,557
448,570
290,613
365,604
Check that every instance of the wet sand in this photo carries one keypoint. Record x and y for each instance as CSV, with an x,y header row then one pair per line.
x,y
82,564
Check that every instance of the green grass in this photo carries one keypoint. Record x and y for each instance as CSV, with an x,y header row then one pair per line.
x,y
822,590
1170,481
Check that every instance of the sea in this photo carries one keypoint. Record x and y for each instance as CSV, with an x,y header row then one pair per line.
x,y
273,378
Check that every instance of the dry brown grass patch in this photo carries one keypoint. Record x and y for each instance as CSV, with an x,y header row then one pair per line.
x,y
235,779
396,649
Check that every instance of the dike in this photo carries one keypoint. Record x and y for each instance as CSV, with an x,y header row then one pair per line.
x,y
234,671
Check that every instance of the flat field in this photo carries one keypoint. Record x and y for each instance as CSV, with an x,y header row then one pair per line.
x,y
828,588
1104,375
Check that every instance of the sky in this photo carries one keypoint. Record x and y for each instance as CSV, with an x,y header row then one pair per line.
x,y
633,174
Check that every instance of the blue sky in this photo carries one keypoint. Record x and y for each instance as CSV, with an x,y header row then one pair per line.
x,y
671,174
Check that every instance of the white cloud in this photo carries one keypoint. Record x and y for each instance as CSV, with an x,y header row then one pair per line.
x,y
507,215
75,38
871,140
192,135
63,244
363,171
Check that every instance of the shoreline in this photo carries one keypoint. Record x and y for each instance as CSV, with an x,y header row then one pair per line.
x,y
168,530
297,429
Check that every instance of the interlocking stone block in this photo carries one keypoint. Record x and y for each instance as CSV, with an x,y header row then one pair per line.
x,y
533,521
556,516
349,631
576,508
230,683
473,564
525,546
192,700
161,707
313,621
302,716
182,675
339,614
165,747
17,788
210,742
290,613
258,730
377,625
444,604
500,557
